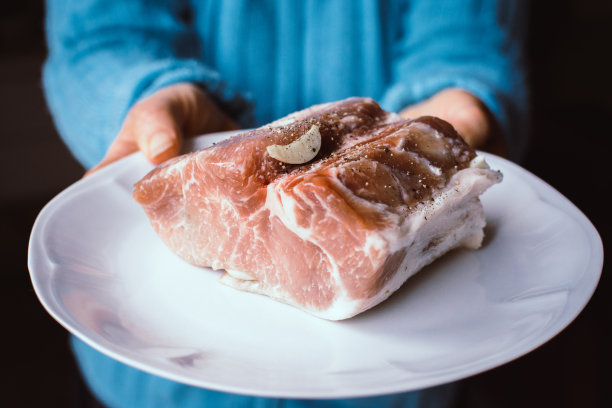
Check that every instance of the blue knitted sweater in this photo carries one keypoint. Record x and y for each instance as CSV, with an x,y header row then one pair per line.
x,y
259,60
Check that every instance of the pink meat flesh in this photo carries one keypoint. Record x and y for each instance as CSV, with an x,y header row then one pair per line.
x,y
337,235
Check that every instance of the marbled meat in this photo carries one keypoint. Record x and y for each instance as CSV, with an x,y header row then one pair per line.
x,y
383,197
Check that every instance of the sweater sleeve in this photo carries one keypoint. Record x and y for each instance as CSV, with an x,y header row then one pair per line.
x,y
476,45
105,55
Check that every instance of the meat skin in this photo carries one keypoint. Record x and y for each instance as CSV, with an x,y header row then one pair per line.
x,y
383,197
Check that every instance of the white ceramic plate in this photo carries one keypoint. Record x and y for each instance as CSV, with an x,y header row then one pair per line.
x,y
101,271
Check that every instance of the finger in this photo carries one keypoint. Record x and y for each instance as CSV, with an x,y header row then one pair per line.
x,y
148,127
160,122
476,124
420,109
471,122
157,124
121,147
468,115
155,128
196,112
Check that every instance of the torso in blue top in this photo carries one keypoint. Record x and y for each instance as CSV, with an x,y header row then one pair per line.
x,y
290,55
261,60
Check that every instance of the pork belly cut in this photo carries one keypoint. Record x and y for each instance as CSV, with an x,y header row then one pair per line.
x,y
382,198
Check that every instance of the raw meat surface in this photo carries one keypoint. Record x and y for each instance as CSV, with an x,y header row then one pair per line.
x,y
335,236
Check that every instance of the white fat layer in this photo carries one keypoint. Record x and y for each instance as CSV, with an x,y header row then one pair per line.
x,y
479,162
344,308
435,170
240,275
374,243
350,119
462,227
426,128
462,187
391,117
284,208
455,218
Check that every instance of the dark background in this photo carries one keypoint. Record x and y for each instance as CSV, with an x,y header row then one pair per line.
x,y
570,43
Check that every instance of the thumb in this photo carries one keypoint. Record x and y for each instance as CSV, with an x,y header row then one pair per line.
x,y
150,126
468,115
160,122
157,125
156,128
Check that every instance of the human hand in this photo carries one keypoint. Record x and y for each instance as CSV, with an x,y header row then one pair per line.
x,y
469,116
157,125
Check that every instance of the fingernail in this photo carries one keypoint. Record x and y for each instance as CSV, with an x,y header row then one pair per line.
x,y
160,142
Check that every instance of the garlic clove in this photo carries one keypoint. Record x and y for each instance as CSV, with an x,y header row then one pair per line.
x,y
239,275
299,151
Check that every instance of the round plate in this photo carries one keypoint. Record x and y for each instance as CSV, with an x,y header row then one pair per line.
x,y
101,271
